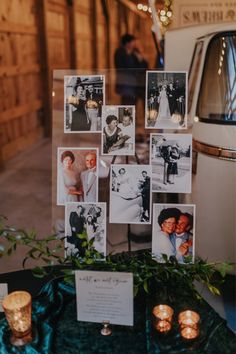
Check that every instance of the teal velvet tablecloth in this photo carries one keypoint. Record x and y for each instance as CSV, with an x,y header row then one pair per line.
x,y
56,330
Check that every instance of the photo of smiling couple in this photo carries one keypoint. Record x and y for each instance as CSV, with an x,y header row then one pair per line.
x,y
173,232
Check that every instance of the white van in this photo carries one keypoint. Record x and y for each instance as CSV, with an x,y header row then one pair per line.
x,y
209,54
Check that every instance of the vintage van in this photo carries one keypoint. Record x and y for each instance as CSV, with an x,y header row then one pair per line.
x,y
208,53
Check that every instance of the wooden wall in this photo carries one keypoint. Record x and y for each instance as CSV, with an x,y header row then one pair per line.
x,y
20,80
37,36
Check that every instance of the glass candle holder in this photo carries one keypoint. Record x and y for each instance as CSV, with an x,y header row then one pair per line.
x,y
18,307
162,318
189,324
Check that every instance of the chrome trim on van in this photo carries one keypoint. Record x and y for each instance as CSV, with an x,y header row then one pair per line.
x,y
215,151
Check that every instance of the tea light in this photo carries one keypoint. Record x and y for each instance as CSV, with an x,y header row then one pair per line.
x,y
17,308
189,324
163,317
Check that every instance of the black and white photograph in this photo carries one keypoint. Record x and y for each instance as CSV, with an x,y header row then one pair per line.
x,y
166,100
173,232
77,175
118,130
130,194
84,97
88,219
171,160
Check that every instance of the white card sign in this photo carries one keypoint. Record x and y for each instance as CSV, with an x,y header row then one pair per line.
x,y
104,296
3,293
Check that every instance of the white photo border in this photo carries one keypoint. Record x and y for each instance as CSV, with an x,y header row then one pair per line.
x,y
103,205
174,205
142,167
186,99
174,136
89,149
117,152
104,102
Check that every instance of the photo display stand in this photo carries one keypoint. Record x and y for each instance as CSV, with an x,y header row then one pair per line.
x,y
129,234
83,95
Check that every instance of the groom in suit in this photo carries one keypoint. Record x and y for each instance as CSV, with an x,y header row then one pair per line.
x,y
89,178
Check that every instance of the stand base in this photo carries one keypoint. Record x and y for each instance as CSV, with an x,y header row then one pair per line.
x,y
106,330
19,342
140,238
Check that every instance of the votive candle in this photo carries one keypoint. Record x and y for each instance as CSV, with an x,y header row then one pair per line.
x,y
18,307
189,324
162,318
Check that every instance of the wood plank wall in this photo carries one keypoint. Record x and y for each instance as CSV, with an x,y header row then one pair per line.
x,y
37,36
20,81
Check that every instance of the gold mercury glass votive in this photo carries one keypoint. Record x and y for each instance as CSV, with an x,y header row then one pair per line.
x,y
162,318
189,324
18,307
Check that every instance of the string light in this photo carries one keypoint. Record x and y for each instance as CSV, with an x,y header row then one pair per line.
x,y
145,8
165,15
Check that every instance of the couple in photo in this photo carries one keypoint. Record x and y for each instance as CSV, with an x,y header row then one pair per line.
x,y
174,238
170,155
130,197
118,135
84,108
89,223
74,186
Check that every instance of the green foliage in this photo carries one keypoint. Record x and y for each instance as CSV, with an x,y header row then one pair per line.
x,y
170,278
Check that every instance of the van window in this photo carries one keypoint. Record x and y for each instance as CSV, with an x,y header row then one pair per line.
x,y
194,68
217,96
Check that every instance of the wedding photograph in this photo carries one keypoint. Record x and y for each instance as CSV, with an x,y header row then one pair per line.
x,y
130,194
173,232
166,100
84,97
88,219
118,130
77,175
171,160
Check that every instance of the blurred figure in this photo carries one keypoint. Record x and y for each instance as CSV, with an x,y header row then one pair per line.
x,y
127,57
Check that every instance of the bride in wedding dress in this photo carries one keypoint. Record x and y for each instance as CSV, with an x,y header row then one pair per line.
x,y
126,202
164,109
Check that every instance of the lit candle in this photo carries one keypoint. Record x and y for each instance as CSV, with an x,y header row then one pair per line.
x,y
162,318
17,308
189,324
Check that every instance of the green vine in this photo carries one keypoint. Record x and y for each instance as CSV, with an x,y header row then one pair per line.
x,y
169,278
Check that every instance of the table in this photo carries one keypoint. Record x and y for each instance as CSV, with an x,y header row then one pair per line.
x,y
58,331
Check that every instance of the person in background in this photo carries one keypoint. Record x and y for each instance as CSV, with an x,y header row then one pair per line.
x,y
127,57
